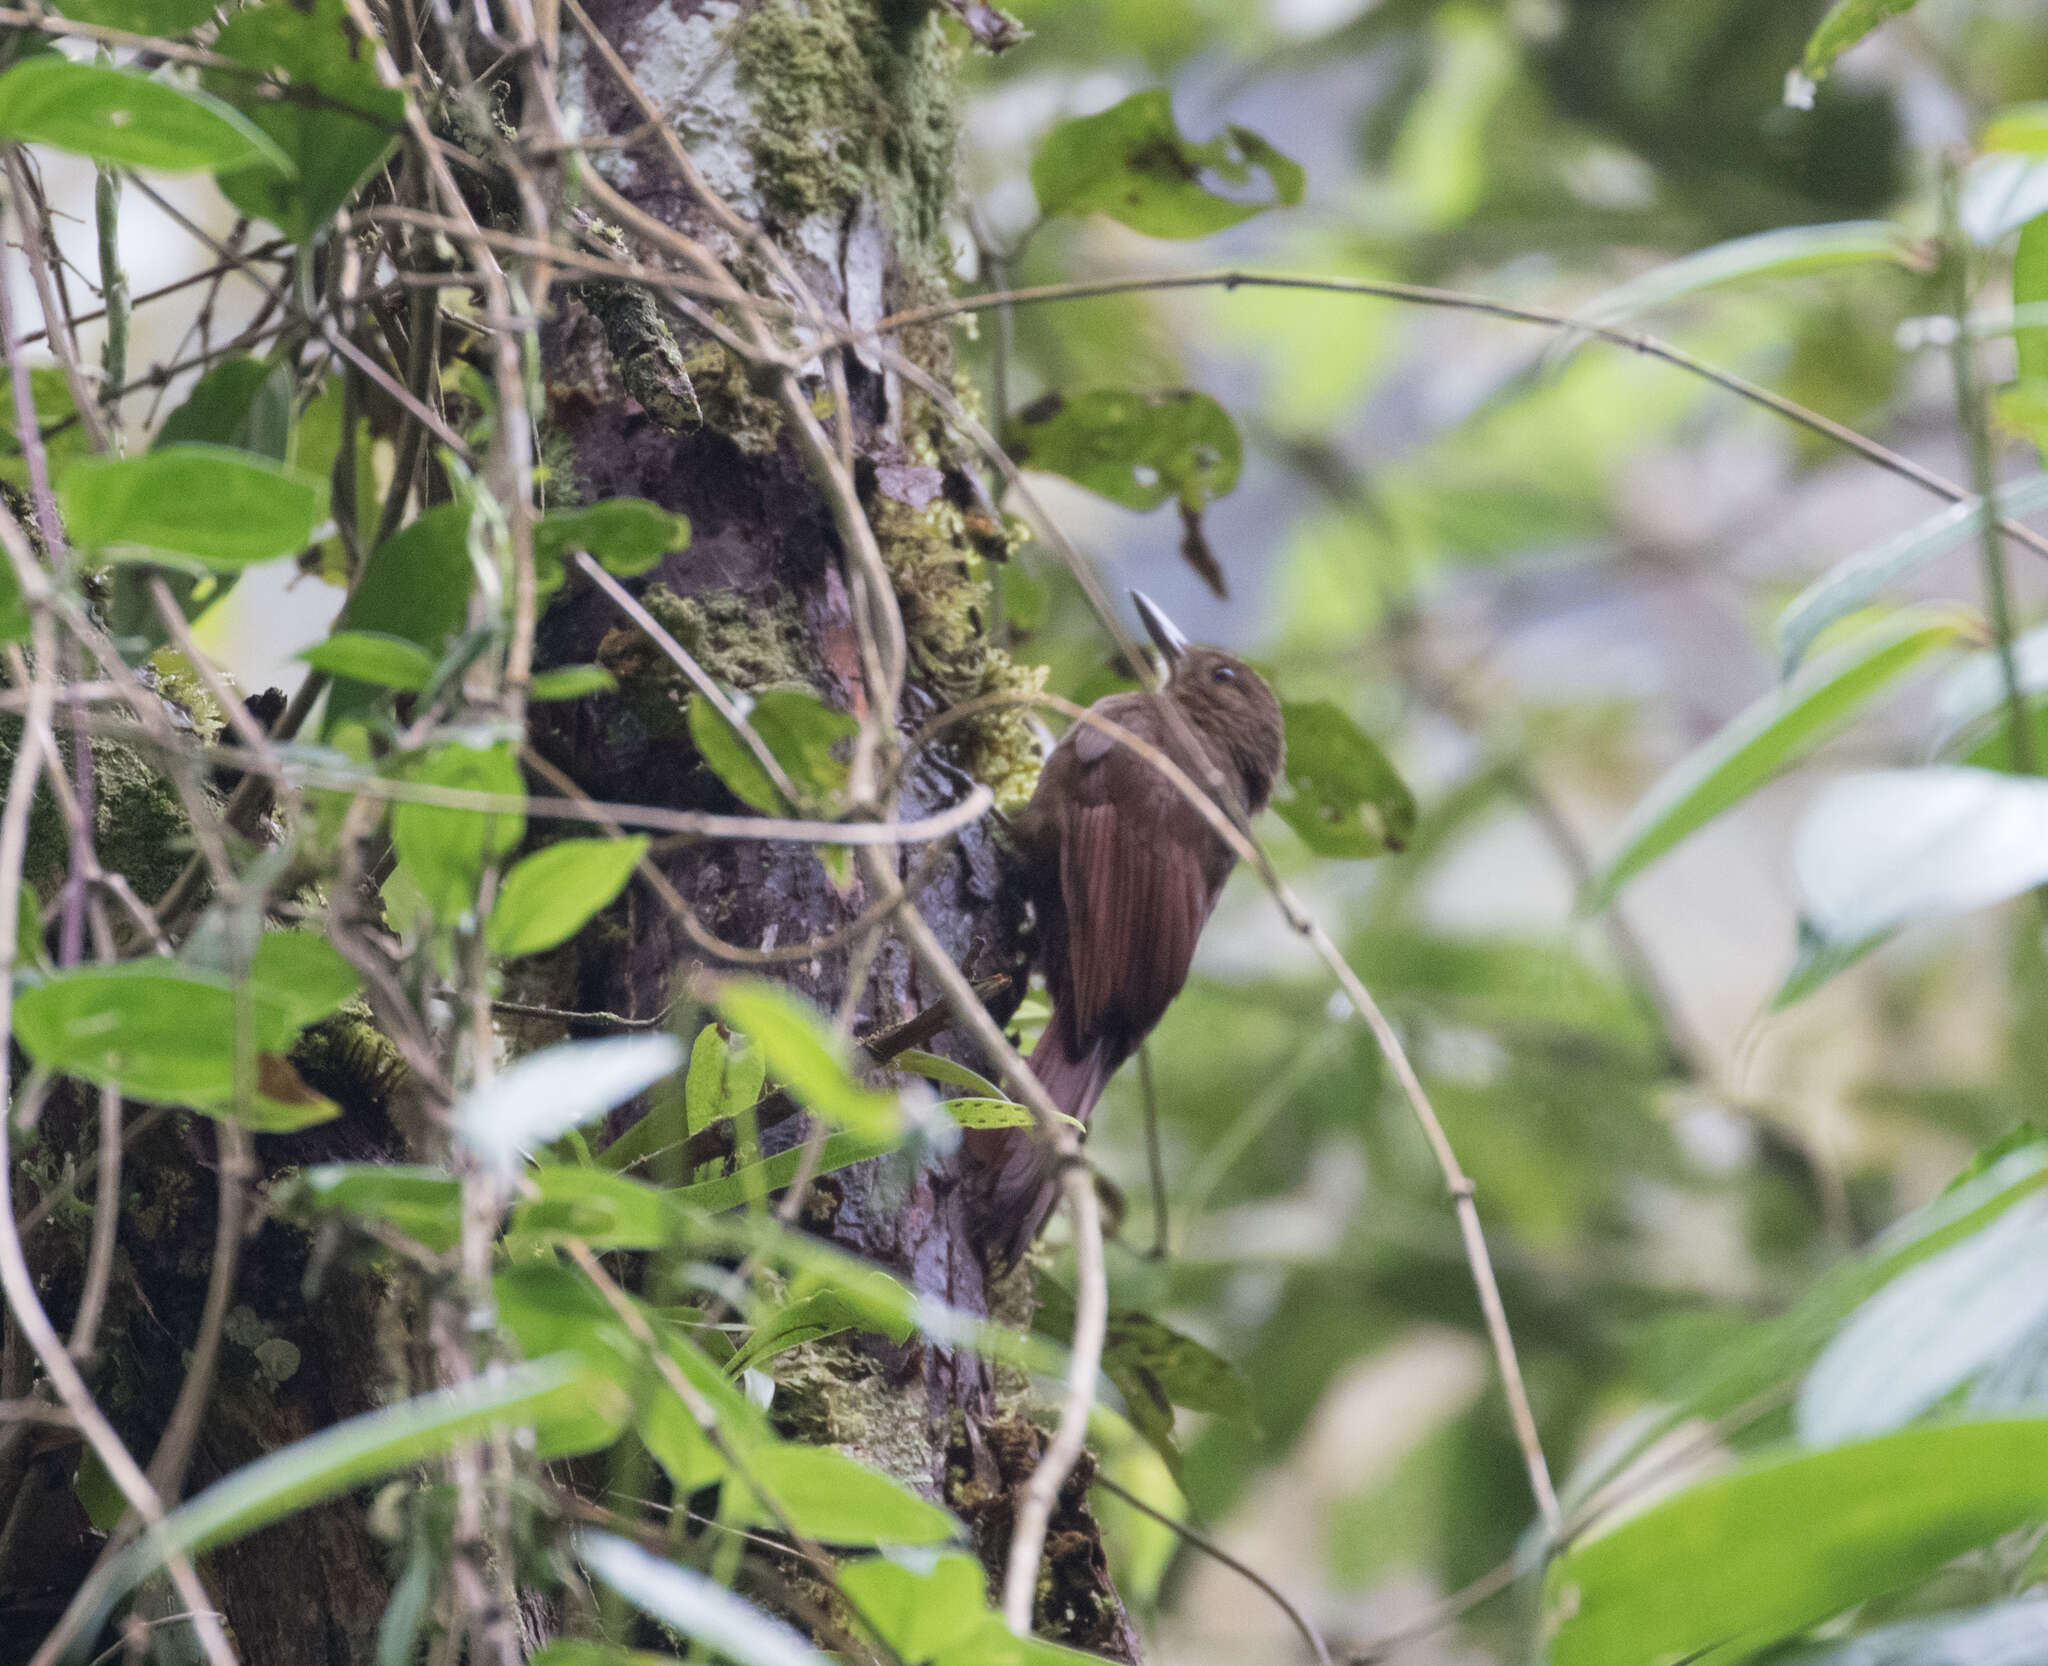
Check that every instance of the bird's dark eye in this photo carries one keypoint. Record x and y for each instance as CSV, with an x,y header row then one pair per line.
x,y
1223,674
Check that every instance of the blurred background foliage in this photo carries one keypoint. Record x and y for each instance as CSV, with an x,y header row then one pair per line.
x,y
1537,574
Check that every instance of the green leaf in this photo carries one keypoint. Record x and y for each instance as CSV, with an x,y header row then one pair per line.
x,y
545,1094
1929,1331
548,897
1846,23
334,138
695,1605
915,1061
242,403
302,975
799,731
1347,799
16,624
1855,581
152,1028
837,1501
988,1113
416,585
921,1612
423,1203
204,504
1882,848
1771,1357
1975,690
1767,738
163,18
605,1211
570,682
807,1057
128,120
1136,449
841,1150
547,1395
446,849
627,535
2018,127
1783,1543
1131,163
2029,288
373,657
1787,251
724,1080
821,1314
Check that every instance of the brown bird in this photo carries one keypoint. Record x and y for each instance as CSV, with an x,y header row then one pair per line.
x,y
1123,873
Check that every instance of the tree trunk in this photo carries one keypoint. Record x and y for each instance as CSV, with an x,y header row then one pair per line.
x,y
831,126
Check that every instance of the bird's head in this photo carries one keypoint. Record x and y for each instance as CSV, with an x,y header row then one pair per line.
x,y
1224,700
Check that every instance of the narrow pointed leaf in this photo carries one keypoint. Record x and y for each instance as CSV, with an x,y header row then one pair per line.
x,y
1768,738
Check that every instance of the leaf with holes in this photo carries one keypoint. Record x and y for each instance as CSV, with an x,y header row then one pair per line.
x,y
1137,449
1346,798
1132,163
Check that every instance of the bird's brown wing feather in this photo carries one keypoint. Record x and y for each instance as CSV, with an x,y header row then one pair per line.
x,y
1136,890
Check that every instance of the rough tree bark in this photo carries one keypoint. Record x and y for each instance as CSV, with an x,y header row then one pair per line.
x,y
830,124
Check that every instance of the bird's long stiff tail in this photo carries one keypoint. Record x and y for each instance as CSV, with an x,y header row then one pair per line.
x,y
1020,1168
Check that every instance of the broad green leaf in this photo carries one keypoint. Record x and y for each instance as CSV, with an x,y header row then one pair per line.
x,y
627,535
302,975
1784,1542
1766,739
548,897
541,1097
605,1211
570,682
922,1612
423,1203
1846,23
1132,163
1347,799
1856,581
1882,848
2018,127
729,1191
807,1057
446,849
201,504
129,120
1136,449
167,18
242,403
373,657
416,585
1786,251
698,1607
1772,1357
1929,1331
799,731
724,1080
829,1496
334,139
152,1028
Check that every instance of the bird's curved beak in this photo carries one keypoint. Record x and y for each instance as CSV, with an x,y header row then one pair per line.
x,y
1165,634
